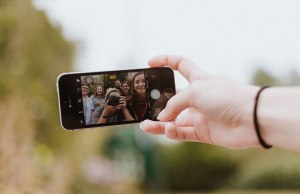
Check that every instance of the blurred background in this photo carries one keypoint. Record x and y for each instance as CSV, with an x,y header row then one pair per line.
x,y
251,41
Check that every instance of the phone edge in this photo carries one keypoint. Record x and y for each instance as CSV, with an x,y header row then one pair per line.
x,y
66,73
59,106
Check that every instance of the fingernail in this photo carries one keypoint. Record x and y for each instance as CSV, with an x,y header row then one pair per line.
x,y
160,115
141,125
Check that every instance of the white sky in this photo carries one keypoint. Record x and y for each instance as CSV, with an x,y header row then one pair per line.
x,y
230,38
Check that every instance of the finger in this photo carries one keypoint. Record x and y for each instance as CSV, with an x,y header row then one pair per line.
x,y
121,105
153,127
175,106
122,97
186,67
198,121
181,133
201,124
184,119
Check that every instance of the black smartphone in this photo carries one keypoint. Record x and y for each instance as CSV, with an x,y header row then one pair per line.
x,y
96,99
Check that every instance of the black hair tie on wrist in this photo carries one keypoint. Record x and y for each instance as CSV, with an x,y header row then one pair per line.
x,y
256,125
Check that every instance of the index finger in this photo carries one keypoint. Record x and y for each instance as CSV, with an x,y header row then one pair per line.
x,y
186,67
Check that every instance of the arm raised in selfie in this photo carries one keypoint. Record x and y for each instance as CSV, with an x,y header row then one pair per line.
x,y
216,110
105,112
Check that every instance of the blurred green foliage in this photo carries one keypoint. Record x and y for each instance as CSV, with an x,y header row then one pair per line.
x,y
262,77
181,167
33,53
192,166
276,179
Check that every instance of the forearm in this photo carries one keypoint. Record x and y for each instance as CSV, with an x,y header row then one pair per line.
x,y
102,118
279,117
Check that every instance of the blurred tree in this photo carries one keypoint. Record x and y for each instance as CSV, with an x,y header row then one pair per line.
x,y
294,78
32,54
262,77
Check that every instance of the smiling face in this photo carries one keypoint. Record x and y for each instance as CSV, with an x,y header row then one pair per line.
x,y
118,84
99,90
85,90
139,84
125,87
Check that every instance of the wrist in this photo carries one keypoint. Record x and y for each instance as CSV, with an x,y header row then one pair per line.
x,y
247,123
274,129
258,129
104,116
105,113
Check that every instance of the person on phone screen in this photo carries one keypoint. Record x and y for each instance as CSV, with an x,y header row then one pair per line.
x,y
88,105
115,109
118,84
219,111
126,91
98,97
139,98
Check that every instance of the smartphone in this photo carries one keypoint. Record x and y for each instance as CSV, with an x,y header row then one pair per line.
x,y
96,99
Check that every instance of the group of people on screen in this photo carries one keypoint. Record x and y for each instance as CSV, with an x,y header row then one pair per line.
x,y
122,101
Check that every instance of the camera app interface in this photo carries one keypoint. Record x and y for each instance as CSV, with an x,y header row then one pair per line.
x,y
122,97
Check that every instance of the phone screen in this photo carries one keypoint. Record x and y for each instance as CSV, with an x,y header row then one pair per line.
x,y
113,98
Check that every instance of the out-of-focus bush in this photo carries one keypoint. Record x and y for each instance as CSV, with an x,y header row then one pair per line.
x,y
17,169
193,166
32,53
275,179
269,170
262,77
177,167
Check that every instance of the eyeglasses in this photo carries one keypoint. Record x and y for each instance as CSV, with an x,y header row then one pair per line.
x,y
84,87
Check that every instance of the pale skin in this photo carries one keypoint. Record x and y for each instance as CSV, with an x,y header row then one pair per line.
x,y
108,110
118,84
99,90
139,85
219,111
125,88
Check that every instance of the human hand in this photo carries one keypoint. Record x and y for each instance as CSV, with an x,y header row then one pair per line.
x,y
122,103
109,109
211,109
